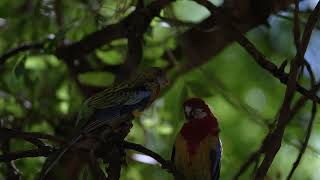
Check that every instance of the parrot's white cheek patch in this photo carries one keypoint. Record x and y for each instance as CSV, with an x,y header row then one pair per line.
x,y
187,109
201,115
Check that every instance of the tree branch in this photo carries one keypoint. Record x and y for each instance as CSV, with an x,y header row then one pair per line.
x,y
44,151
284,117
111,32
272,142
253,51
164,163
305,142
310,124
21,48
6,133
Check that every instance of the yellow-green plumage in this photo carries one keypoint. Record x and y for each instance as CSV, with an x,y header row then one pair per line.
x,y
151,80
111,106
195,166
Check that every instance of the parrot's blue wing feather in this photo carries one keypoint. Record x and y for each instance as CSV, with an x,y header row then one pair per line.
x,y
215,157
108,113
115,98
137,97
106,107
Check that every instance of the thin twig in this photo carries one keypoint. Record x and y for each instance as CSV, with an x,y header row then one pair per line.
x,y
306,141
111,32
12,133
252,158
274,143
21,48
12,171
137,147
311,23
309,129
255,53
289,18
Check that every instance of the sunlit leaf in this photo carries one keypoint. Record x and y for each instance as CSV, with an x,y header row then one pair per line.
x,y
96,78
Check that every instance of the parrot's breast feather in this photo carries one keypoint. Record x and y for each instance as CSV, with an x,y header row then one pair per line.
x,y
198,165
196,130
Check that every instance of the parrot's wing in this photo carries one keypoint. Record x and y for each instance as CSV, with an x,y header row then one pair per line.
x,y
107,99
84,113
215,157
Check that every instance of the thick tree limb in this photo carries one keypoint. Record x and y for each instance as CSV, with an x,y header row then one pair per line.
x,y
44,151
6,133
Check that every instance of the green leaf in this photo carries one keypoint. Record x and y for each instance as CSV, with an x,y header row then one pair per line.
x,y
110,57
97,78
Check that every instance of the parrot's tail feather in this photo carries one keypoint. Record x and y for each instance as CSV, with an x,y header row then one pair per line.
x,y
78,119
52,161
95,125
79,116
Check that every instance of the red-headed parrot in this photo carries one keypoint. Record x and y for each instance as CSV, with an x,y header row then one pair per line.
x,y
197,150
106,108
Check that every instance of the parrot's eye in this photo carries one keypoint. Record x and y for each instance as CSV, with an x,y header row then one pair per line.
x,y
198,113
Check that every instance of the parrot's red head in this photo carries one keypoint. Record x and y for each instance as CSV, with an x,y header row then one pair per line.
x,y
200,123
197,109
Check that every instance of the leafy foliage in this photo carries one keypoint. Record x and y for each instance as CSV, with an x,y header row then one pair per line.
x,y
41,93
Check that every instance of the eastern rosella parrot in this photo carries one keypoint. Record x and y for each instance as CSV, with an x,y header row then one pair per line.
x,y
103,109
130,97
197,150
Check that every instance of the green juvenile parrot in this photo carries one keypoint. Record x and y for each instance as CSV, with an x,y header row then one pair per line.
x,y
106,108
